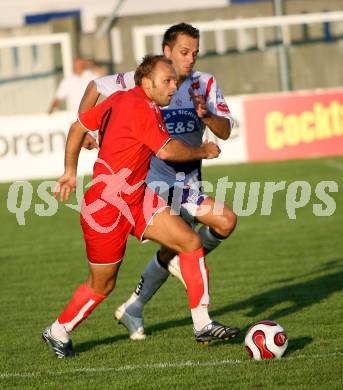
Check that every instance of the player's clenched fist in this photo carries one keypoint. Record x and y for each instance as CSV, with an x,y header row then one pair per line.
x,y
90,143
211,149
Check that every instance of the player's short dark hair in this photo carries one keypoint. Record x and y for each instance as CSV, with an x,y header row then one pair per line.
x,y
148,65
172,33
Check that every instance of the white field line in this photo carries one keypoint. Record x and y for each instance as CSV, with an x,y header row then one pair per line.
x,y
157,366
334,164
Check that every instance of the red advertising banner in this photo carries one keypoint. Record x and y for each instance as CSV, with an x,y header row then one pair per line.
x,y
294,125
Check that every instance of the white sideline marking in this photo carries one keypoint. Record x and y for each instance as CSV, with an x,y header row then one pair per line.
x,y
156,366
334,164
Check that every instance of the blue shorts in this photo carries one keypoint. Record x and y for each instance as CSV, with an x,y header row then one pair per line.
x,y
184,201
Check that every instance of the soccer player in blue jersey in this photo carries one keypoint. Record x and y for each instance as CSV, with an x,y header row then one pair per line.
x,y
197,104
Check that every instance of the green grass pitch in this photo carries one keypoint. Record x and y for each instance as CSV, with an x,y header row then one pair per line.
x,y
290,271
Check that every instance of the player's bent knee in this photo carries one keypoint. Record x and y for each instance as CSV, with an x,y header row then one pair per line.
x,y
102,283
190,242
226,224
104,288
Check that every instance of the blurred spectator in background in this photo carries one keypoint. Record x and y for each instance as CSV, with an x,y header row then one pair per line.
x,y
72,87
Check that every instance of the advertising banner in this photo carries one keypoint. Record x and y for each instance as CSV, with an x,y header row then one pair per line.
x,y
294,125
267,128
32,147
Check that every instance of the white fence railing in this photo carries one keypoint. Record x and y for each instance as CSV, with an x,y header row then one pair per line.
x,y
21,43
27,66
240,26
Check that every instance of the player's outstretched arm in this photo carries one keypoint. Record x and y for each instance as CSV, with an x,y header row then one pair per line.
x,y
177,151
67,182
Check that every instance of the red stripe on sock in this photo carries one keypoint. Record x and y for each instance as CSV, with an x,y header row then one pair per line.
x,y
81,299
192,275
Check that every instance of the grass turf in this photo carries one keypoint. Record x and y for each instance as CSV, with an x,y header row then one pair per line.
x,y
272,267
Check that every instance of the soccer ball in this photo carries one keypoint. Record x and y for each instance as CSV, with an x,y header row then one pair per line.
x,y
266,340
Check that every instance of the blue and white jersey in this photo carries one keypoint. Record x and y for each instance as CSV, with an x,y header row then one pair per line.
x,y
181,119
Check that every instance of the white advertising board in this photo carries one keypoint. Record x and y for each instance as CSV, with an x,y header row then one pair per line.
x,y
32,147
234,149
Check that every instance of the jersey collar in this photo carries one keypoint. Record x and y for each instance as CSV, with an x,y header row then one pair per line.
x,y
140,92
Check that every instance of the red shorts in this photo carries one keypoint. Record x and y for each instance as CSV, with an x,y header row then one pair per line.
x,y
106,227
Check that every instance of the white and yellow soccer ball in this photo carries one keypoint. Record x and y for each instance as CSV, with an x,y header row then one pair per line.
x,y
266,340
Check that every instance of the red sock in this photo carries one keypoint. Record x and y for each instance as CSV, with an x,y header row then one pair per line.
x,y
195,274
84,301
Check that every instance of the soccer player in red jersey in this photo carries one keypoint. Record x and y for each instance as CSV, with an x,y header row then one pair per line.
x,y
118,203
198,103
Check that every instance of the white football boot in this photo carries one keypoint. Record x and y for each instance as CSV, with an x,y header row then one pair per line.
x,y
174,269
135,325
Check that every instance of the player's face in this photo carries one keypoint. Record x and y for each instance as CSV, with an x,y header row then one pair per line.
x,y
163,84
79,66
183,54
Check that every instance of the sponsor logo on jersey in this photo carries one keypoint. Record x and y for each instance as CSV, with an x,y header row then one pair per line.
x,y
196,85
178,102
223,107
219,95
120,80
181,121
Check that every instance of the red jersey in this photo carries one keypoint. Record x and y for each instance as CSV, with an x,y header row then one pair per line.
x,y
131,129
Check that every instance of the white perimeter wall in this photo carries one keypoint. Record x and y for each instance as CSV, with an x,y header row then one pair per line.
x,y
32,147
